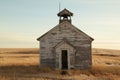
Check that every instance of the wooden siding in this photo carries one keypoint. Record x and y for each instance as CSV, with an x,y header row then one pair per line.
x,y
81,58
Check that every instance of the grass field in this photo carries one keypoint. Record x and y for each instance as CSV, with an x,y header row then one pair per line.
x,y
23,64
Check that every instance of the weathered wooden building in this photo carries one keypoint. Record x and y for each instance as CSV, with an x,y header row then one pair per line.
x,y
65,46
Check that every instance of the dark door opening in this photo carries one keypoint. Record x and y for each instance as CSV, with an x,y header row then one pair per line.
x,y
64,59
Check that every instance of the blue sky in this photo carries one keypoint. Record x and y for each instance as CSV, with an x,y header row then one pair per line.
x,y
22,21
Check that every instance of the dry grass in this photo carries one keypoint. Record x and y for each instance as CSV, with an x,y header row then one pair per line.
x,y
19,56
22,64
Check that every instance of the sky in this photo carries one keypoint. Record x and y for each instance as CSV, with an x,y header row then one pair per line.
x,y
23,21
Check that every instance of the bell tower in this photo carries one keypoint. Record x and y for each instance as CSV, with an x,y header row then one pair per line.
x,y
65,15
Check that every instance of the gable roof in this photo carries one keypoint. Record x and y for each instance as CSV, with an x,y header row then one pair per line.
x,y
63,42
86,35
75,28
46,33
65,12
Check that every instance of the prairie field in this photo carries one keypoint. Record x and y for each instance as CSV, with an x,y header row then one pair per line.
x,y
23,64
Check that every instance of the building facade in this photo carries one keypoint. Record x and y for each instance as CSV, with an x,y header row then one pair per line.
x,y
65,46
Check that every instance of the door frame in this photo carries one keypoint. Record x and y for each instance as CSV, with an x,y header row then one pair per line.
x,y
64,56
60,58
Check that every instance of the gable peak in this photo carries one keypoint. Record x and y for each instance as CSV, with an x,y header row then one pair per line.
x,y
65,12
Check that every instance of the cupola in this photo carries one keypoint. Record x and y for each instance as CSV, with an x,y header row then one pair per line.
x,y
65,15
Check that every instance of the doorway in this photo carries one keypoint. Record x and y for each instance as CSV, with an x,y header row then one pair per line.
x,y
64,59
